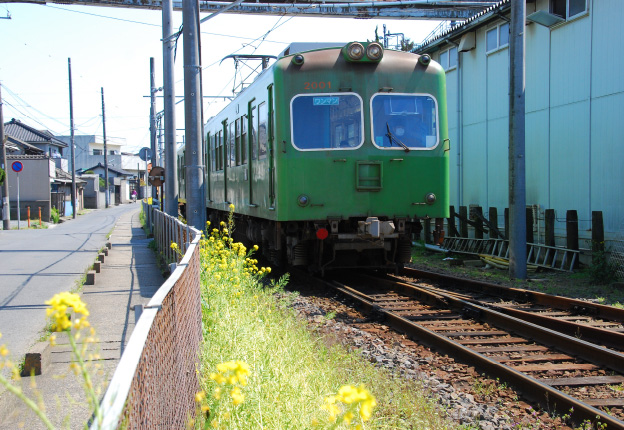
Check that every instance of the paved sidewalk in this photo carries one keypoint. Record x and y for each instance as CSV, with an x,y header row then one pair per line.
x,y
129,276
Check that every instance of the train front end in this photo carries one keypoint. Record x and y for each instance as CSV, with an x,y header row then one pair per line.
x,y
361,150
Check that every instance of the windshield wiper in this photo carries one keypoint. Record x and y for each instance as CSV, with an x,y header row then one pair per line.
x,y
393,138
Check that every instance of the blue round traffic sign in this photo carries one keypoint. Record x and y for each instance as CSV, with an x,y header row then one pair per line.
x,y
17,166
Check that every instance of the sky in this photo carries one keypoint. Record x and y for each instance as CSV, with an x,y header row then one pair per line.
x,y
110,48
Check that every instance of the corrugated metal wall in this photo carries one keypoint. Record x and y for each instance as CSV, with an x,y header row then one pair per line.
x,y
574,118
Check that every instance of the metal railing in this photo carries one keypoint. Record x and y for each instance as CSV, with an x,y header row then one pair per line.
x,y
155,382
167,230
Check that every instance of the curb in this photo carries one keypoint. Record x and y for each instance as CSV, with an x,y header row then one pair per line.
x,y
37,359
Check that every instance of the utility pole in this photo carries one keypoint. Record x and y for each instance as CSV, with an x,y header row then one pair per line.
x,y
6,208
171,167
517,178
105,152
71,140
196,213
153,120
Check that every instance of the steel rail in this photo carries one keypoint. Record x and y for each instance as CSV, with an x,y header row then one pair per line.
x,y
606,337
548,397
522,295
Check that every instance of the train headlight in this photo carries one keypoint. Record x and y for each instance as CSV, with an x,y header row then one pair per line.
x,y
298,60
430,198
424,59
303,200
355,51
374,51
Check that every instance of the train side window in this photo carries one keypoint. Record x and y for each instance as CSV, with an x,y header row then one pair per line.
x,y
213,161
254,134
204,154
231,162
243,139
238,142
220,150
183,161
263,136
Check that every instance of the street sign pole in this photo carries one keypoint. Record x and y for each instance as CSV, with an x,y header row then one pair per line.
x,y
18,203
17,167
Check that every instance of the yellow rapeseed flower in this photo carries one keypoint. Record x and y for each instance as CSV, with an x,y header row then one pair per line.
x,y
231,206
200,396
58,310
237,396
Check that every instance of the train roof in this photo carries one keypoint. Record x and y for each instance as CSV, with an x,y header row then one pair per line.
x,y
297,47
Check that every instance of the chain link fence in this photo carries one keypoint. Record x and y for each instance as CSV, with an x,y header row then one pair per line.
x,y
615,252
155,382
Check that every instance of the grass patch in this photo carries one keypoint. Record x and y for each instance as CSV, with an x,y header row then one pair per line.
x,y
580,284
293,375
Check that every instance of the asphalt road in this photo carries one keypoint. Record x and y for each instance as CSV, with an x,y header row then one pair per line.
x,y
36,264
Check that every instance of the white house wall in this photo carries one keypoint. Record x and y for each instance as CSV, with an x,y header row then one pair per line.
x,y
574,118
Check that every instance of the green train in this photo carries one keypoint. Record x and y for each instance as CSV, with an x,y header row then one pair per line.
x,y
332,157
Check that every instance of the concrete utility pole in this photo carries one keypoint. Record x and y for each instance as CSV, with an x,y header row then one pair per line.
x,y
171,166
71,141
196,205
6,208
153,120
517,178
105,153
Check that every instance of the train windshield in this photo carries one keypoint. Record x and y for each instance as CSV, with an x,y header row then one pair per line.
x,y
404,121
327,121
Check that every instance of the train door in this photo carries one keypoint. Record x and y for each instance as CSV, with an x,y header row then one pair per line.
x,y
253,150
271,146
206,159
225,155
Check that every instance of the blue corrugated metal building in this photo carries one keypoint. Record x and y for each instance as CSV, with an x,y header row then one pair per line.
x,y
574,109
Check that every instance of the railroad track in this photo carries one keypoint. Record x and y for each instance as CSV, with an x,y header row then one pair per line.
x,y
560,372
585,320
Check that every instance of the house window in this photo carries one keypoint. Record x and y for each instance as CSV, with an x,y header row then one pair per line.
x,y
497,37
448,58
568,8
97,152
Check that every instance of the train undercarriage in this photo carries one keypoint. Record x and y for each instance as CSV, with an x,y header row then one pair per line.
x,y
334,243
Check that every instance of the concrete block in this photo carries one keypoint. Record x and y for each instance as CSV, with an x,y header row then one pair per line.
x,y
90,278
109,245
474,263
101,257
138,310
37,359
97,266
105,251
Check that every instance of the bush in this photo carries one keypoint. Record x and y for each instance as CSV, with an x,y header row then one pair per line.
x,y
54,216
602,271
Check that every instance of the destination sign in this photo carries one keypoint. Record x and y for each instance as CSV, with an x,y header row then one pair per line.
x,y
326,101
